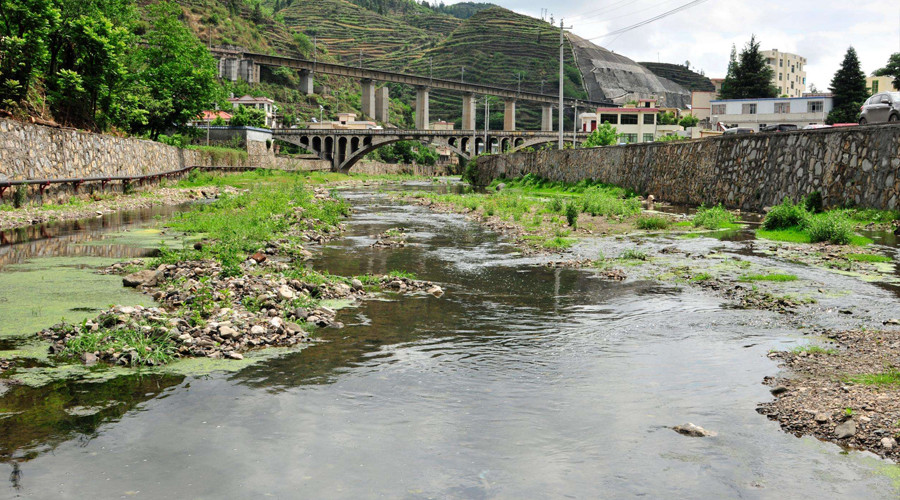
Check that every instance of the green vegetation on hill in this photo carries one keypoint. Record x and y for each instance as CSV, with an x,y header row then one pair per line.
x,y
681,75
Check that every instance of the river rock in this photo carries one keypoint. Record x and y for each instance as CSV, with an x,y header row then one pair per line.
x,y
228,332
821,418
257,330
285,292
89,358
692,430
845,430
778,390
356,284
435,290
234,355
892,321
259,257
146,277
888,443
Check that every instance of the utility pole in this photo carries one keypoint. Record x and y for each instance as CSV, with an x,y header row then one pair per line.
x,y
360,58
561,101
519,83
462,78
430,71
575,125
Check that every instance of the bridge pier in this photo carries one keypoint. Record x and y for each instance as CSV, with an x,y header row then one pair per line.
x,y
306,81
547,118
368,98
422,108
509,115
468,112
382,105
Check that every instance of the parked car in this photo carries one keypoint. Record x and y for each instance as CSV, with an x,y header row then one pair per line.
x,y
781,127
815,126
882,107
738,130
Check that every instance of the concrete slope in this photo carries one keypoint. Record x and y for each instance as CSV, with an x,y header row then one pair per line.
x,y
613,76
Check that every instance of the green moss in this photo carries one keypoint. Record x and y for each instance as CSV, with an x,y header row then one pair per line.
x,y
889,378
768,277
864,257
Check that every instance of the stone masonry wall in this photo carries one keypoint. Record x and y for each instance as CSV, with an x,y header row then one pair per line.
x,y
379,168
858,165
37,152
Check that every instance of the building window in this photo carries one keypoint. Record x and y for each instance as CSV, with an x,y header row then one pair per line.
x,y
648,137
748,109
629,119
649,119
875,86
718,109
792,84
782,107
613,119
781,63
815,107
629,138
779,77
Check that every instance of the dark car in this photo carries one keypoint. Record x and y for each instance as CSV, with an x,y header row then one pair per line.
x,y
781,127
880,108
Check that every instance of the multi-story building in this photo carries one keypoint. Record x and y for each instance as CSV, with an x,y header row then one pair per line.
x,y
638,124
757,113
345,121
877,84
788,72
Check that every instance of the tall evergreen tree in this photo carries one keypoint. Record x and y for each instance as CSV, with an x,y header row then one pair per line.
x,y
728,85
849,89
749,76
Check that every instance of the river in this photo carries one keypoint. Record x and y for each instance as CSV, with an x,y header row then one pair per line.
x,y
521,382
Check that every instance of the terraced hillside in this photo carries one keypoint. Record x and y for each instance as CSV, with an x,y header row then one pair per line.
x,y
386,41
680,75
496,46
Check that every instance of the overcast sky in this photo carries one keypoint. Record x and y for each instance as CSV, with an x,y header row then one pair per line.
x,y
820,30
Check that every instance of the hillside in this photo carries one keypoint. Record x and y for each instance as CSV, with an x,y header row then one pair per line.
x,y
345,29
680,75
496,46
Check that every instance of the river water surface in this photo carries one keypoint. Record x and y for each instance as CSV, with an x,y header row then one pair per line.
x,y
521,382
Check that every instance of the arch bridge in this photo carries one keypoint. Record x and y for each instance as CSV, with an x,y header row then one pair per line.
x,y
344,148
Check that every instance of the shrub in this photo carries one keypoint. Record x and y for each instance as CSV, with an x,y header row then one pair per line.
x,y
714,217
785,215
19,196
652,222
572,214
470,174
556,204
831,226
632,254
813,202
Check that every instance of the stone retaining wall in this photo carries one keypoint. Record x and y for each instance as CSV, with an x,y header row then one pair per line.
x,y
858,165
30,151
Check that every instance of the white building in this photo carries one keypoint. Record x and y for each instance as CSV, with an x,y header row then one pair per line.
x,y
788,72
263,103
638,124
811,109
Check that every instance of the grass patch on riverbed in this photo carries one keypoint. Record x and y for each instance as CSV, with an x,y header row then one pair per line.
x,y
864,257
888,378
652,222
153,347
715,218
768,277
796,223
237,225
814,349
800,235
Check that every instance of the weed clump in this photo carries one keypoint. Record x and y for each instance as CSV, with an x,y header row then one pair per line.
x,y
714,218
572,214
786,215
652,222
834,227
632,254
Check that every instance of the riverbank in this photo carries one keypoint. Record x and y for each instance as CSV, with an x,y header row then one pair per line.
x,y
844,390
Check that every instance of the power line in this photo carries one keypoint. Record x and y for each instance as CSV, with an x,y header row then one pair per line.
x,y
650,20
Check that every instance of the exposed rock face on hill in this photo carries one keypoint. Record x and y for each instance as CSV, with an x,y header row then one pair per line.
x,y
612,76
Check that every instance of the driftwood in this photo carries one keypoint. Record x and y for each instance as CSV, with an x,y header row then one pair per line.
x,y
46,123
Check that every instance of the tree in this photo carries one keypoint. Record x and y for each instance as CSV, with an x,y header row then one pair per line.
x,y
748,77
849,89
892,69
173,75
24,28
667,118
688,121
604,135
248,117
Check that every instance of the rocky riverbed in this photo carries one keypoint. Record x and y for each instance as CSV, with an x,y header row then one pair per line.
x,y
847,392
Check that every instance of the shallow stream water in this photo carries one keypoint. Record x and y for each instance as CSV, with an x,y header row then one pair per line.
x,y
521,382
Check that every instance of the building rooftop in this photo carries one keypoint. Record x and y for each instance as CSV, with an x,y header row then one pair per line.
x,y
250,100
210,115
627,110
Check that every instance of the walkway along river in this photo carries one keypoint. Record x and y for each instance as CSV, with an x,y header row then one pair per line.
x,y
521,382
